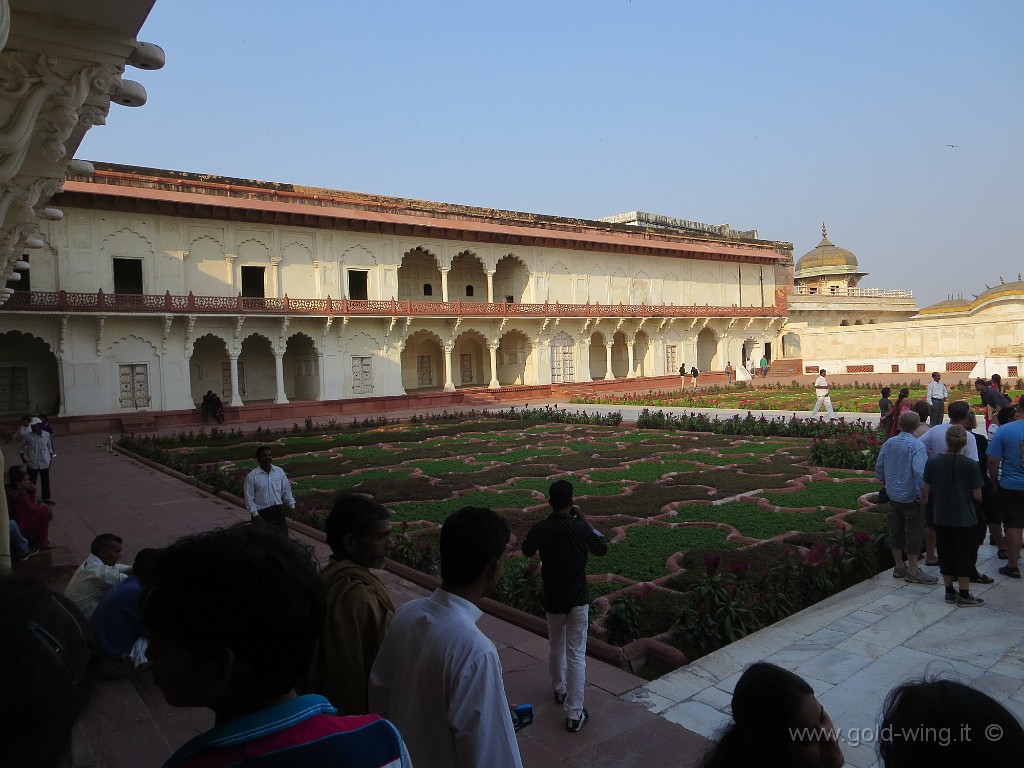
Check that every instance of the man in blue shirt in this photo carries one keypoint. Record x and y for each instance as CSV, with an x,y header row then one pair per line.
x,y
1006,471
900,467
117,626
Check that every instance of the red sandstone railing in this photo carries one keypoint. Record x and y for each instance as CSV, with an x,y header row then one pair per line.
x,y
64,301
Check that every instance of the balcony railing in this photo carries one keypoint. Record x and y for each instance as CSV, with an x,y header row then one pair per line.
x,y
100,302
867,293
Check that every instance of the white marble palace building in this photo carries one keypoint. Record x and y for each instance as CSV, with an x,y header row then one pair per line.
x,y
157,286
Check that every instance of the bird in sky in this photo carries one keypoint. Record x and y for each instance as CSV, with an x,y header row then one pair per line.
x,y
954,146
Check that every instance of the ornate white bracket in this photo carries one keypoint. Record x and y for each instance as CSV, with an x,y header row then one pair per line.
x,y
100,320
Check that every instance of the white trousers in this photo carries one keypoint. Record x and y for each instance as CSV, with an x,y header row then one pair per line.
x,y
827,402
567,658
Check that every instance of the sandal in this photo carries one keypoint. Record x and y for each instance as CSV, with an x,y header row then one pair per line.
x,y
981,578
932,565
1012,571
1001,554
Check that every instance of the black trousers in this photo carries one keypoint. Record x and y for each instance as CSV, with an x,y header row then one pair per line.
x,y
44,477
938,406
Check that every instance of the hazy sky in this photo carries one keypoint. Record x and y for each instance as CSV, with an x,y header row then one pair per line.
x,y
767,115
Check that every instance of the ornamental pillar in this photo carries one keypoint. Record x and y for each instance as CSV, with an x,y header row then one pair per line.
x,y
608,375
279,378
236,400
629,348
449,384
493,349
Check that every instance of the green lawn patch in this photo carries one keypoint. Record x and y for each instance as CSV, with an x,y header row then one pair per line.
x,y
825,494
437,511
641,556
752,521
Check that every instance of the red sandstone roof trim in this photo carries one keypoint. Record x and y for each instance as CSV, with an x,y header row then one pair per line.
x,y
444,228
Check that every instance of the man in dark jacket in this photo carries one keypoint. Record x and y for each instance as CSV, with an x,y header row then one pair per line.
x,y
563,539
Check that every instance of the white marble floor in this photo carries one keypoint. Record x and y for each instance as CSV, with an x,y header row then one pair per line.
x,y
856,646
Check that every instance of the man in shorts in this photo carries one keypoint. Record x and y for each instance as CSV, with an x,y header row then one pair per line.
x,y
1006,471
900,467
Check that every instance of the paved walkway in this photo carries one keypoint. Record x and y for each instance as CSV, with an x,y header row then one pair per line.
x,y
129,724
852,648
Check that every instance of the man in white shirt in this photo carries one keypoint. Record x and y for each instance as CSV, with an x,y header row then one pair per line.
x,y
937,395
437,677
268,494
38,452
821,390
97,574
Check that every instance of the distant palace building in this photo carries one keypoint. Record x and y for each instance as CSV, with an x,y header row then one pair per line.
x,y
157,286
835,324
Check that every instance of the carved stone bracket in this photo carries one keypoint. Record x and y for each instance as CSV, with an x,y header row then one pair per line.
x,y
239,322
49,104
62,340
100,320
168,322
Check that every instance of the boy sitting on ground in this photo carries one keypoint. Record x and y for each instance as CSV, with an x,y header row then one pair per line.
x,y
233,615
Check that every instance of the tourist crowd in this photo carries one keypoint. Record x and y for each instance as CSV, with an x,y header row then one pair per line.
x,y
313,666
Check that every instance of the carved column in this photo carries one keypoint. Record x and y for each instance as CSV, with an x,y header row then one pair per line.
x,y
444,285
490,286
493,349
449,384
275,265
608,375
631,374
236,399
229,263
279,377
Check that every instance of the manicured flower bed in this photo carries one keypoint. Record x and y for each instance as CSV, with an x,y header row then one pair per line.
x,y
667,497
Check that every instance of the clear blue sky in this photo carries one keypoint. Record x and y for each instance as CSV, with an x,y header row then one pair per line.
x,y
773,116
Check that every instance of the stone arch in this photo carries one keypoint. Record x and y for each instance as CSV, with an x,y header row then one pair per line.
x,y
643,365
419,268
422,361
130,255
471,362
134,365
620,356
641,291
358,255
560,285
618,287
205,270
256,359
253,251
209,368
467,280
29,376
512,356
791,345
563,358
598,356
126,242
301,368
707,350
511,278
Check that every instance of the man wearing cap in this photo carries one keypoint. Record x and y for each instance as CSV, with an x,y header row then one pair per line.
x,y
38,452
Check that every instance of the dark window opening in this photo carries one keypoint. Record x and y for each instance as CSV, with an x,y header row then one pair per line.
x,y
469,290
254,282
510,299
428,289
357,284
128,276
